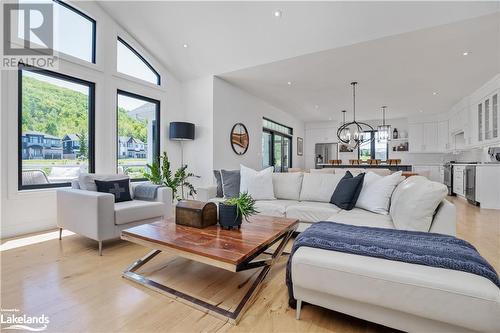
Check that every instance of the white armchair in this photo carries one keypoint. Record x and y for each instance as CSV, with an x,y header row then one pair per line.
x,y
96,215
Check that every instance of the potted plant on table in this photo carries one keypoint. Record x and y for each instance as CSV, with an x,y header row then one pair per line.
x,y
232,211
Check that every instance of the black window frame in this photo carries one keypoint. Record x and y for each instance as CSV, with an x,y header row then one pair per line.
x,y
372,147
94,27
157,127
91,123
158,76
273,133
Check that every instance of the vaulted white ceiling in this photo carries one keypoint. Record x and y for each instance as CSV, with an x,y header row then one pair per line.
x,y
398,51
402,72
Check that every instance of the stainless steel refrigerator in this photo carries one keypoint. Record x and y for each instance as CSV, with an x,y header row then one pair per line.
x,y
324,152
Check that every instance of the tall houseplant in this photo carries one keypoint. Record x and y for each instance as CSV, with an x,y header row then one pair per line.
x,y
159,173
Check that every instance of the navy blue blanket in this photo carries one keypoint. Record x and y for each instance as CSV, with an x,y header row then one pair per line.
x,y
414,247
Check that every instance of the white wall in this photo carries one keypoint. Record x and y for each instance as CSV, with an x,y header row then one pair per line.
x,y
232,105
197,97
34,210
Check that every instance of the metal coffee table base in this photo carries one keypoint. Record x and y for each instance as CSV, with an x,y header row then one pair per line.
x,y
232,316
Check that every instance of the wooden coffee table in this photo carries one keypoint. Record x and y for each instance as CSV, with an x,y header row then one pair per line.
x,y
232,250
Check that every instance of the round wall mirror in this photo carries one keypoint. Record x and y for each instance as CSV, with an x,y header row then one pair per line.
x,y
239,139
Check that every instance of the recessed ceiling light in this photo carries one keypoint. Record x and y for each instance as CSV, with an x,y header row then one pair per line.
x,y
277,13
434,93
185,46
465,53
289,83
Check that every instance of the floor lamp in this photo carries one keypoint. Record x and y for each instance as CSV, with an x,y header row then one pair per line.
x,y
181,131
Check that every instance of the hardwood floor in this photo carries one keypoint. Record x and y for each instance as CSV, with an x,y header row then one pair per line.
x,y
82,292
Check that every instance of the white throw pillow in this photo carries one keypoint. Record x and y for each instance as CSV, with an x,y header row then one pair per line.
x,y
319,186
376,192
258,184
287,185
414,203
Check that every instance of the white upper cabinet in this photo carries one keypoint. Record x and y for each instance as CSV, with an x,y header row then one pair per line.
x,y
428,137
416,138
431,137
443,136
487,118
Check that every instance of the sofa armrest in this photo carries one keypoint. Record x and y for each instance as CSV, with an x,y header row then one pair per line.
x,y
206,193
445,219
165,196
88,213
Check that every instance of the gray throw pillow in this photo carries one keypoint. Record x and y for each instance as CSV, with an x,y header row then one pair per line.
x,y
230,183
218,180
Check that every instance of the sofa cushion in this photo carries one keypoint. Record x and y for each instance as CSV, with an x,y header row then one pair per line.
x,y
311,211
230,183
414,202
86,181
287,185
319,187
273,207
136,210
377,190
362,218
444,295
347,191
323,170
258,184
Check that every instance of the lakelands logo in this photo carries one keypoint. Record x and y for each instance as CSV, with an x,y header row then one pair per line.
x,y
14,319
28,35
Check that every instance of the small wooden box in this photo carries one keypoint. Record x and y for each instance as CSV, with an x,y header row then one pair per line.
x,y
196,214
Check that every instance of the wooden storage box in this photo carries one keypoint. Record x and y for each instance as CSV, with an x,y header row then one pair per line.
x,y
196,214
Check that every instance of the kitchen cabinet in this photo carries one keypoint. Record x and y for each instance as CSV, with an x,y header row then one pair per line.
x,y
424,138
443,136
431,137
459,180
432,172
488,186
487,118
416,138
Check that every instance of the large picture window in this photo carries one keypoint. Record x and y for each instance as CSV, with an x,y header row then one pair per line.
x,y
276,146
138,134
56,128
74,31
375,149
130,62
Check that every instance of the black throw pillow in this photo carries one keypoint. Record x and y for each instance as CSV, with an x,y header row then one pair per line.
x,y
119,188
347,191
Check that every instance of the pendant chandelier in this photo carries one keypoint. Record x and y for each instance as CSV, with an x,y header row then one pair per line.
x,y
353,133
383,131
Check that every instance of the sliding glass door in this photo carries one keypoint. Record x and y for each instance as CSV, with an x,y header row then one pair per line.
x,y
276,151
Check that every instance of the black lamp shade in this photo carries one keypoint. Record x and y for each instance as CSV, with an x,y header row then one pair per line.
x,y
181,131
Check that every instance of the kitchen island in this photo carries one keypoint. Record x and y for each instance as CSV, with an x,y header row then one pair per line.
x,y
393,167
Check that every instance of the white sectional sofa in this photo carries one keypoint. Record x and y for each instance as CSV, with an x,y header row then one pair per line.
x,y
306,197
404,296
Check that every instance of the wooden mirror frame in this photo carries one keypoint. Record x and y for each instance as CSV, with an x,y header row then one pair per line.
x,y
239,140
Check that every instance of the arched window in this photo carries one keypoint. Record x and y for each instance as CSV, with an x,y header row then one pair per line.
x,y
130,62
